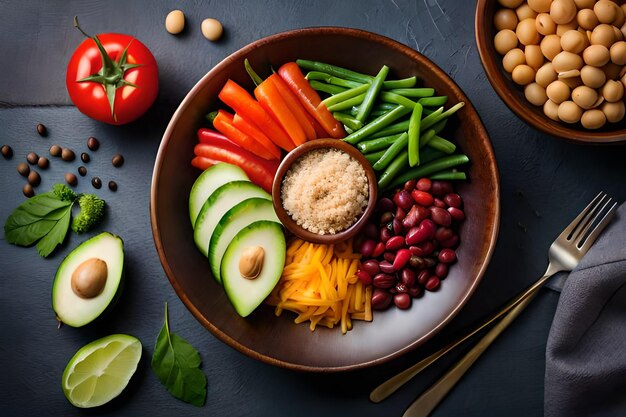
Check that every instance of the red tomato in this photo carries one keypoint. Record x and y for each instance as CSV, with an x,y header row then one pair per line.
x,y
133,83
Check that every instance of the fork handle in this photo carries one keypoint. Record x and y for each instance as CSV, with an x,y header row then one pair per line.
x,y
427,402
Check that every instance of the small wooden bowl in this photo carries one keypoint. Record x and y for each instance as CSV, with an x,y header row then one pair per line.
x,y
513,95
288,221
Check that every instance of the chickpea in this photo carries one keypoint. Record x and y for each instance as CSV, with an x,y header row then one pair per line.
x,y
536,94
505,19
611,71
603,35
562,11
540,6
592,77
527,32
587,19
550,46
558,91
573,41
534,57
618,35
613,91
546,74
544,24
504,41
525,12
618,53
511,4
561,29
212,29
569,112
605,10
596,55
551,109
566,61
513,58
175,22
623,80
523,74
585,4
572,81
593,119
620,18
584,96
614,112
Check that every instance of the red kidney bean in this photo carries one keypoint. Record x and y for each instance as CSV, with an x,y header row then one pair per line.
x,y
423,277
432,284
416,250
457,214
451,243
367,248
397,226
402,258
378,250
364,277
429,262
381,299
422,197
371,231
410,185
385,234
401,288
384,281
437,202
389,256
424,184
441,270
385,204
370,266
443,233
400,213
440,216
453,200
441,188
447,256
387,217
417,262
386,267
402,301
408,277
427,247
426,230
394,243
403,199
415,292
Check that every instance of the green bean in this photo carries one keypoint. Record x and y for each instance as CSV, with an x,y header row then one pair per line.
x,y
393,129
372,93
442,144
439,126
430,154
414,92
377,124
427,111
427,137
345,95
393,170
402,83
327,78
377,144
348,120
439,115
397,99
255,77
433,101
414,135
374,156
449,175
378,110
326,88
452,110
334,70
431,167
347,104
392,152
432,118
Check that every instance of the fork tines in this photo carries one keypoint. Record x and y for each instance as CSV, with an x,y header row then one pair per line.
x,y
588,225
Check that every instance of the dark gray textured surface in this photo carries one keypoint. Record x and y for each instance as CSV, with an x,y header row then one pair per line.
x,y
544,183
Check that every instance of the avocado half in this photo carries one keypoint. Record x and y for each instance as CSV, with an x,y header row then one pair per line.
x,y
74,310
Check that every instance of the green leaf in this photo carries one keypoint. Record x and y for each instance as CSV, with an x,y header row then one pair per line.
x,y
56,235
34,219
177,365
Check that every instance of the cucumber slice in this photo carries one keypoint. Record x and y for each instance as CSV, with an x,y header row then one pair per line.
x,y
247,294
210,180
221,200
236,219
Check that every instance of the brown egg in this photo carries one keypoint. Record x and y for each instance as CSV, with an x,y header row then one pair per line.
x,y
585,4
551,109
584,96
605,10
593,119
513,58
558,91
613,91
592,77
563,11
505,19
534,57
614,112
573,41
618,53
536,94
596,55
523,74
504,41
612,71
540,6
587,19
511,4
550,46
561,29
569,112
525,12
603,34
546,74
565,61
544,24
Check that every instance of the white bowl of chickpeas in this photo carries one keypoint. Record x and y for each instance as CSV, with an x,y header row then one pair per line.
x,y
560,65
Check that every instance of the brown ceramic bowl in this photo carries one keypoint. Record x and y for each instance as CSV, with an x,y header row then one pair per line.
x,y
513,94
287,220
277,340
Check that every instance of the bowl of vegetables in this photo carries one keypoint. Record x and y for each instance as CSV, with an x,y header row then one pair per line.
x,y
252,289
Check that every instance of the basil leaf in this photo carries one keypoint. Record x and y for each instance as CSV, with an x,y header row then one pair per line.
x,y
177,365
56,235
34,218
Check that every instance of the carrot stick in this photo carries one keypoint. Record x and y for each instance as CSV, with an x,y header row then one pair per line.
x,y
299,112
270,99
223,122
250,129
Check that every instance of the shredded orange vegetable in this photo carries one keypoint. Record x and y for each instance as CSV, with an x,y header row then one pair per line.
x,y
320,285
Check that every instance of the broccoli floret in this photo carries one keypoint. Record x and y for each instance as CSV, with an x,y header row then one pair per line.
x,y
91,213
64,192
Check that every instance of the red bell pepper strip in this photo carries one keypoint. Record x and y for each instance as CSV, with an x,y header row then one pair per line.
x,y
291,74
242,102
260,171
270,99
299,112
251,130
203,163
207,135
223,122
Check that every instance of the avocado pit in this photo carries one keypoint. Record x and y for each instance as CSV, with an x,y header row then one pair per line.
x,y
89,278
251,262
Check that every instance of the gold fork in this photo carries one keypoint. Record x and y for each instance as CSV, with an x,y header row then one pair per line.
x,y
564,254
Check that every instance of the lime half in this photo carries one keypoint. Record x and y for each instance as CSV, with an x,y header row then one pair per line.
x,y
100,371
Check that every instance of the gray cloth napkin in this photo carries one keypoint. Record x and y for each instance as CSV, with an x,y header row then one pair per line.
x,y
586,350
